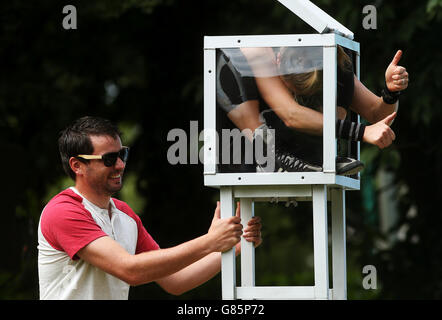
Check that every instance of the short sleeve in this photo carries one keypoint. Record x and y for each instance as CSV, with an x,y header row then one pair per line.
x,y
145,241
69,228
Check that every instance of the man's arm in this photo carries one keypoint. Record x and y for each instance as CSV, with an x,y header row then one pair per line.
x,y
108,255
207,267
193,275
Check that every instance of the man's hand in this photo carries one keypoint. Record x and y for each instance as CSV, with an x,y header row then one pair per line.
x,y
380,133
396,77
224,233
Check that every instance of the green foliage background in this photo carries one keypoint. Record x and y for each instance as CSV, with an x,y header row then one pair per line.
x,y
139,63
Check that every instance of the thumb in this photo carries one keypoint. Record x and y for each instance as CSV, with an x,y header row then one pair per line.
x,y
217,214
238,210
396,58
389,119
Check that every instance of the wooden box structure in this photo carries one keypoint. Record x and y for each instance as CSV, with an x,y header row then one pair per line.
x,y
318,187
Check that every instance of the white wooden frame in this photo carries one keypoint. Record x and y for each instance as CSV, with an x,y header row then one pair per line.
x,y
329,43
319,194
318,187
316,17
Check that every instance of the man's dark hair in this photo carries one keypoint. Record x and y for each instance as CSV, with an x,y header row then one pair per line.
x,y
75,139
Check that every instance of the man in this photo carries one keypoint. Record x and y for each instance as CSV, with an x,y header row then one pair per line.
x,y
93,246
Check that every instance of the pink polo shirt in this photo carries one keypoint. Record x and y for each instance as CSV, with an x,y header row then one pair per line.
x,y
68,223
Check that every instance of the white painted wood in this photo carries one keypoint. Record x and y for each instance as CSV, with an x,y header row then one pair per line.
x,y
329,110
228,265
273,178
347,183
270,178
272,191
347,43
316,17
210,136
320,241
274,40
247,248
321,289
358,74
278,178
339,258
276,293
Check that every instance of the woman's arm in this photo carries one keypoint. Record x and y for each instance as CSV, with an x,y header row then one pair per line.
x,y
277,96
376,111
371,107
262,61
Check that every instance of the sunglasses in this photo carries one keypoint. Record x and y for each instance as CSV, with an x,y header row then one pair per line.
x,y
110,158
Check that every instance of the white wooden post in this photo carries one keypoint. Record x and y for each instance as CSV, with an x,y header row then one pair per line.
x,y
339,244
247,248
228,265
320,241
329,103
210,137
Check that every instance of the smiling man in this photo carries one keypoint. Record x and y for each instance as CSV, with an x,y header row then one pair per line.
x,y
93,246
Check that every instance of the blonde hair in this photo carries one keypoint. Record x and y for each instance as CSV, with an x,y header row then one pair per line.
x,y
310,83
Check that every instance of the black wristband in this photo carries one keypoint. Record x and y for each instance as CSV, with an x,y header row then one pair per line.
x,y
350,130
389,96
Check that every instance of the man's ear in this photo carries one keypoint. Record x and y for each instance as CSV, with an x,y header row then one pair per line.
x,y
77,166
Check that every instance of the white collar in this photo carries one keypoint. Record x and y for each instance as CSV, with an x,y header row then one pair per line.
x,y
94,206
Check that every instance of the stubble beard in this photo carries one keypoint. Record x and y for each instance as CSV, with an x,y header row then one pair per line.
x,y
103,186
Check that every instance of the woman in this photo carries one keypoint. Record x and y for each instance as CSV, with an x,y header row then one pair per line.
x,y
289,81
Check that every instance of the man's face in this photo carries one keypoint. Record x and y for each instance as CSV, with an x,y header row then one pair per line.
x,y
106,180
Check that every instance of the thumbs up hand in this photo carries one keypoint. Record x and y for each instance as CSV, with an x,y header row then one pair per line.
x,y
396,76
380,133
